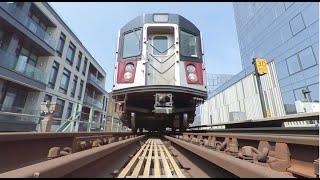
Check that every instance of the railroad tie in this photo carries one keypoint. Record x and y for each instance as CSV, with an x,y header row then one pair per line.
x,y
152,160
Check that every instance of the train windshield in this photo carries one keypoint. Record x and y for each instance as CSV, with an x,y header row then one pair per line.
x,y
188,44
132,44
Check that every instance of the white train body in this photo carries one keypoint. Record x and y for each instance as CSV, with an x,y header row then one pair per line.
x,y
159,73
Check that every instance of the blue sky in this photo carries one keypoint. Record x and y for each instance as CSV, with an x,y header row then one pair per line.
x,y
96,24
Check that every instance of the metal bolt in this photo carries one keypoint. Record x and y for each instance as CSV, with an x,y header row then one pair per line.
x,y
115,173
54,152
36,175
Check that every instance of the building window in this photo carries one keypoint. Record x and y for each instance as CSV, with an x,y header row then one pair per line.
x,y
288,101
5,38
58,114
79,61
12,97
307,58
26,63
299,95
53,75
69,110
80,90
47,98
314,92
61,42
293,64
297,24
36,22
64,81
85,66
74,86
282,70
70,53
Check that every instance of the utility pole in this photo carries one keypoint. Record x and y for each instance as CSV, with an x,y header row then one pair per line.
x,y
260,70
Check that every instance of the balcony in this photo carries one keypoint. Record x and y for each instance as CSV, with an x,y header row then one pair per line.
x,y
11,62
24,19
93,102
14,118
96,81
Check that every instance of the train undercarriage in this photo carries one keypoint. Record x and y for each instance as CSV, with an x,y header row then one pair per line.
x,y
156,110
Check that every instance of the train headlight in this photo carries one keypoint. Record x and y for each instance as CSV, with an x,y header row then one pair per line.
x,y
127,75
193,77
129,67
191,68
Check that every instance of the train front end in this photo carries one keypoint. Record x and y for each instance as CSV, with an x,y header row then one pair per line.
x,y
159,74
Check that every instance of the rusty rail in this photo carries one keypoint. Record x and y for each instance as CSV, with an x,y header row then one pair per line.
x,y
21,136
289,154
25,148
236,166
311,140
63,165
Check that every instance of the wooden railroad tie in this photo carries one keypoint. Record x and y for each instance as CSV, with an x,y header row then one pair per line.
x,y
152,160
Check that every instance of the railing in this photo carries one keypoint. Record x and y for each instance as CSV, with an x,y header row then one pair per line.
x,y
19,117
86,125
11,62
24,19
14,114
114,124
96,80
69,124
92,101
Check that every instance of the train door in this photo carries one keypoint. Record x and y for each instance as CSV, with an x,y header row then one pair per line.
x,y
161,56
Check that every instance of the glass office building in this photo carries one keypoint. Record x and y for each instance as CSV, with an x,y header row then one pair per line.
x,y
288,34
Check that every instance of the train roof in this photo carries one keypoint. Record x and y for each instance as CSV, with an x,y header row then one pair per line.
x,y
139,21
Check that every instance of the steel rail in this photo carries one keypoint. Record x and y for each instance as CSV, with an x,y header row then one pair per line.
x,y
270,130
235,166
63,165
18,136
312,140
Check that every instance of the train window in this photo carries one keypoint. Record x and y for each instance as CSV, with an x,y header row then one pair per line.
x,y
160,45
188,44
131,44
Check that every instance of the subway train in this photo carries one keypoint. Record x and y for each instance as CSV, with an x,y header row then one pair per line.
x,y
159,75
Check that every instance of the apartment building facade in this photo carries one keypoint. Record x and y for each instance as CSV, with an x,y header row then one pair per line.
x,y
41,59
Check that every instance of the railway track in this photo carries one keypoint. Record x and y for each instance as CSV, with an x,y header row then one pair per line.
x,y
187,154
27,148
256,155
